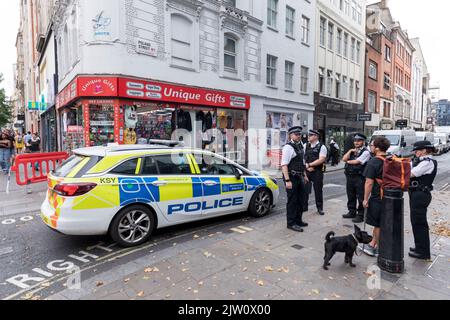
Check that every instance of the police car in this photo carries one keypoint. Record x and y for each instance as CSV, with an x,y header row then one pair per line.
x,y
129,191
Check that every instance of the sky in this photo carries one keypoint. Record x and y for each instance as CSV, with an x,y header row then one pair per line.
x,y
424,19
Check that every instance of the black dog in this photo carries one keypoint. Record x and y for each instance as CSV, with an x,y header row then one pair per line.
x,y
346,244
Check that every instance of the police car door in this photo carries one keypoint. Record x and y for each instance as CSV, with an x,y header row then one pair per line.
x,y
223,191
178,195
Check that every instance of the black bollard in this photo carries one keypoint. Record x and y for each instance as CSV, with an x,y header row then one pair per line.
x,y
391,246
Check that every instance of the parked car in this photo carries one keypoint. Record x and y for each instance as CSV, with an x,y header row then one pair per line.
x,y
438,146
445,140
402,141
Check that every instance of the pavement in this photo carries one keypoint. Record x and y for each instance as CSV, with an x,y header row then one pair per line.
x,y
262,260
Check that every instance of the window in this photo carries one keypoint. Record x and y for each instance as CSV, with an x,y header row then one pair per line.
x,y
304,80
341,5
231,3
213,166
150,167
372,100
272,12
322,31
230,53
347,7
352,89
330,36
329,82
387,53
175,164
354,10
387,81
290,21
321,80
359,14
182,39
127,168
339,41
344,91
305,29
386,109
271,70
289,75
358,52
346,45
338,85
352,49
373,67
357,91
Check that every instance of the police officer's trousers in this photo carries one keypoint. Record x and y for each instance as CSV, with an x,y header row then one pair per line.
x,y
316,179
355,192
295,198
419,202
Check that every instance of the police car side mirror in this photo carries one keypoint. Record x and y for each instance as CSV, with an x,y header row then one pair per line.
x,y
238,173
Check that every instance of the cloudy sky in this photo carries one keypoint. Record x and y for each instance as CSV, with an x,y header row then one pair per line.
x,y
427,20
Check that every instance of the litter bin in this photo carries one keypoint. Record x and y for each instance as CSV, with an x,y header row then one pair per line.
x,y
391,246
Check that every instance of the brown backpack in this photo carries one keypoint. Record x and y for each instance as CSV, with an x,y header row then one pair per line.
x,y
396,173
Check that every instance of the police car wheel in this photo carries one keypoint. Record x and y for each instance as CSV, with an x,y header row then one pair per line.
x,y
132,226
261,203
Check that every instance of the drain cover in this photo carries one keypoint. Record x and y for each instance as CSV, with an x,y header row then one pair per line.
x,y
298,247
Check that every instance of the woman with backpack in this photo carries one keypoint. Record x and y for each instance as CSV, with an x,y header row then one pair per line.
x,y
424,170
20,143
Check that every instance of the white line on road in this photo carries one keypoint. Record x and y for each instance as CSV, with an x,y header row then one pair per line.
x,y
5,251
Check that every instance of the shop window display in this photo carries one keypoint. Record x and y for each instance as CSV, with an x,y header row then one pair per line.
x,y
72,129
101,118
277,125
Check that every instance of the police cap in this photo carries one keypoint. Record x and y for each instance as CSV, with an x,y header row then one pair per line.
x,y
314,133
295,130
360,136
422,145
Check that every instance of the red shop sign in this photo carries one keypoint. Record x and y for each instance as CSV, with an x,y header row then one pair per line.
x,y
97,87
68,94
150,90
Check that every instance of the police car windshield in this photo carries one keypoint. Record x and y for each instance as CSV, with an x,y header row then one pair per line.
x,y
394,140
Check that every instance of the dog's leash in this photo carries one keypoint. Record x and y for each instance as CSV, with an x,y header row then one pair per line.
x,y
363,246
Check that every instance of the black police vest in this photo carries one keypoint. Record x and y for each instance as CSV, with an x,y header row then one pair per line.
x,y
428,179
296,163
356,169
313,154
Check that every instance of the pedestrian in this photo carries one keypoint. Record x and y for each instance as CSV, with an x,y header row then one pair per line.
x,y
423,173
355,161
294,176
20,143
27,140
35,143
372,191
315,158
334,150
12,149
5,152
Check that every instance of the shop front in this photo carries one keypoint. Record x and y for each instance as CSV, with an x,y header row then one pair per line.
x,y
48,130
337,118
102,110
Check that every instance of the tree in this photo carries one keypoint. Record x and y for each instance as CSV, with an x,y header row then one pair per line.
x,y
5,107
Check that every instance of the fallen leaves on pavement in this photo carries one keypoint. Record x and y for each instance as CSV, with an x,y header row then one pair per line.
x,y
149,270
141,294
99,283
441,228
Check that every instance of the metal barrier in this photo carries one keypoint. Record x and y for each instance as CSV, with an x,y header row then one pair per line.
x,y
32,166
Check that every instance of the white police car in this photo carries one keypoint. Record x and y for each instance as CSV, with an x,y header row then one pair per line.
x,y
129,191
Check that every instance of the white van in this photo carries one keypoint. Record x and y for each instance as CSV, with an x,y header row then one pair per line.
x,y
425,136
402,141
445,140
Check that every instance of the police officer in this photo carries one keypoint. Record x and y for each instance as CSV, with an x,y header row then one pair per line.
x,y
424,170
294,176
315,158
355,162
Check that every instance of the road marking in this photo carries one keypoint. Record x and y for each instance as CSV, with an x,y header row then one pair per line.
x,y
333,186
245,228
8,221
238,230
5,251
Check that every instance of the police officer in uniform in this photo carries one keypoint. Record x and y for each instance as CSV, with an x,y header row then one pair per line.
x,y
315,158
355,162
424,170
294,176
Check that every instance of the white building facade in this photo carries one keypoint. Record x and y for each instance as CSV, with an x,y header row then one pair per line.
x,y
229,66
421,102
339,74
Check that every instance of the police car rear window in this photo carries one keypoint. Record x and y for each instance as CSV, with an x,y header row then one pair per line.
x,y
67,166
70,164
